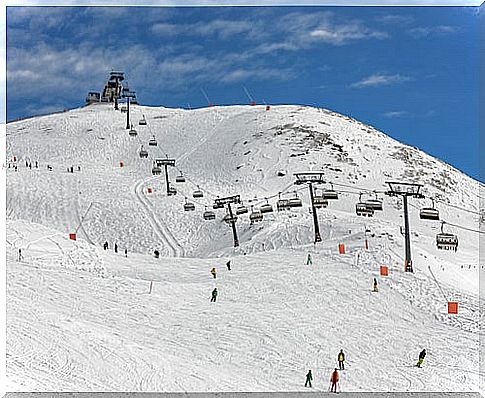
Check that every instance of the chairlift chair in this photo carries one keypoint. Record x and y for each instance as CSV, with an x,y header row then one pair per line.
x,y
198,193
143,153
255,216
295,202
361,209
446,241
156,170
330,194
266,208
133,132
152,141
209,215
228,219
142,121
375,204
282,204
429,213
189,206
218,206
319,201
172,191
180,178
241,209
124,109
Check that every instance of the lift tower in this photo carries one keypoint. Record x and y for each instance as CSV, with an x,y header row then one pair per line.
x,y
117,78
311,178
128,95
220,202
405,190
165,162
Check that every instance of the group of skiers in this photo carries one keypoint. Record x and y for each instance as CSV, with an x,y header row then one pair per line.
x,y
334,378
106,247
213,272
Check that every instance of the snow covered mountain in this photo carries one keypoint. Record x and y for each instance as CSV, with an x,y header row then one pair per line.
x,y
276,317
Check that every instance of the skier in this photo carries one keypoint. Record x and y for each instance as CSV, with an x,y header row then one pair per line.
x,y
213,272
156,253
20,255
309,259
309,379
341,359
78,168
334,381
30,166
26,164
16,168
72,169
36,164
126,252
422,354
116,248
214,295
375,285
228,265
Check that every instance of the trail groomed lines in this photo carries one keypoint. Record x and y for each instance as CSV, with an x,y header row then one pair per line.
x,y
159,227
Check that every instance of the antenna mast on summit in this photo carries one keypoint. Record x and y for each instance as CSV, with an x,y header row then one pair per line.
x,y
206,97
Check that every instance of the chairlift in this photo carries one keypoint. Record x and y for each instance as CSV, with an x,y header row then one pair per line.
x,y
375,204
198,193
143,153
124,109
133,132
429,213
180,178
282,204
156,170
228,219
217,205
143,121
152,141
330,194
172,191
188,206
361,209
319,201
446,241
241,209
295,202
209,215
266,208
255,216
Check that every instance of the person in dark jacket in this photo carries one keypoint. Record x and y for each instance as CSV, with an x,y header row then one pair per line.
x,y
341,359
334,381
105,246
228,265
375,285
156,253
126,252
116,248
214,295
309,378
422,354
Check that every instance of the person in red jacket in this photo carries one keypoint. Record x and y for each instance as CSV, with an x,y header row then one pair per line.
x,y
334,381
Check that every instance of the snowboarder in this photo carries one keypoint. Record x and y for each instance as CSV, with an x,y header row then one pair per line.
x,y
309,259
341,359
309,379
20,255
116,248
334,381
105,246
214,295
375,286
228,265
156,253
213,272
422,354
126,252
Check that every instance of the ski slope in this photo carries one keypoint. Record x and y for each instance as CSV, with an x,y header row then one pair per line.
x,y
81,318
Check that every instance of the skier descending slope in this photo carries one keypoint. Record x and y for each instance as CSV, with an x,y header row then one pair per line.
x,y
422,354
309,259
228,265
309,378
334,381
375,285
341,359
214,272
214,295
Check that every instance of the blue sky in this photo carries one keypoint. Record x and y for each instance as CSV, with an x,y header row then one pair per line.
x,y
412,72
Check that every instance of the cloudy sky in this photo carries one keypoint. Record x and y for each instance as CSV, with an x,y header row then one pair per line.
x,y
412,72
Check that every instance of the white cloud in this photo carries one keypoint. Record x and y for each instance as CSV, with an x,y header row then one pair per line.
x,y
395,114
420,32
342,34
381,80
221,28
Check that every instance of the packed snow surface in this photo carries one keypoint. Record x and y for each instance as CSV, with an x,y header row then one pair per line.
x,y
80,318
